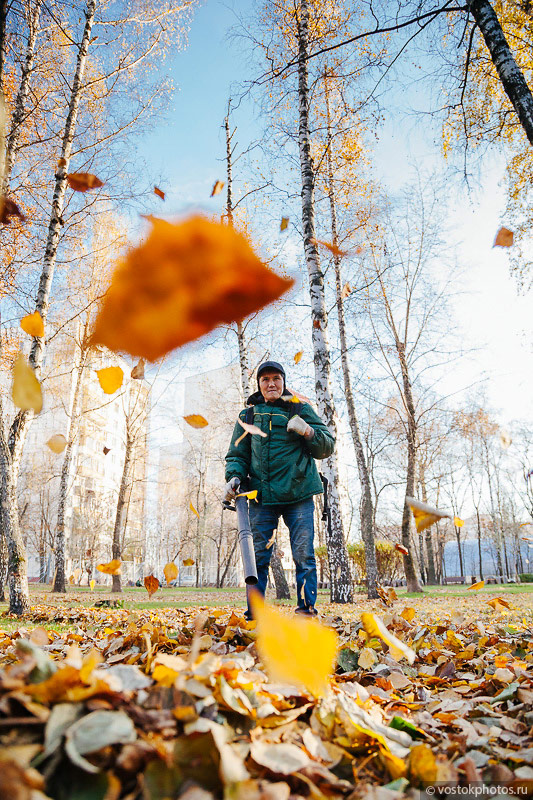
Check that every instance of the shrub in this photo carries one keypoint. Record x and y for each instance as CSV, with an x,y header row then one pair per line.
x,y
526,577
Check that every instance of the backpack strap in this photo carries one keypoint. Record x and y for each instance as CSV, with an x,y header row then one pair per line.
x,y
249,417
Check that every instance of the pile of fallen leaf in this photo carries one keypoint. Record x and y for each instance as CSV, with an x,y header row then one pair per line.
x,y
178,703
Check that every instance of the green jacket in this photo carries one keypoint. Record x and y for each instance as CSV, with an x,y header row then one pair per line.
x,y
281,466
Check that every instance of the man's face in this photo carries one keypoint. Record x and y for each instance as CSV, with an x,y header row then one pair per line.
x,y
271,385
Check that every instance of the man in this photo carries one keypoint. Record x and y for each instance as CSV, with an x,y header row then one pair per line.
x,y
281,467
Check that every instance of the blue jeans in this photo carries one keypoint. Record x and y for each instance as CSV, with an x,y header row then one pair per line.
x,y
299,518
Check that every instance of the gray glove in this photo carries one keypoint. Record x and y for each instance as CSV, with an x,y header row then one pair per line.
x,y
230,490
298,425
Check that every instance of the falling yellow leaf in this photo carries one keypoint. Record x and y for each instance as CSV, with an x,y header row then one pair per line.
x,y
111,568
170,571
424,515
110,379
375,627
83,181
32,324
188,562
92,584
251,495
196,421
151,585
284,224
71,579
194,511
57,443
137,372
504,238
26,390
294,649
298,356
217,188
179,284
458,522
476,586
408,613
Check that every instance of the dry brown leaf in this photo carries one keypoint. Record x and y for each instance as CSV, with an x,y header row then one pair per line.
x,y
137,373
217,188
151,585
504,238
9,209
83,181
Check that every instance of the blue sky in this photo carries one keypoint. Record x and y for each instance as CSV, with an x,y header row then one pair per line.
x,y
185,156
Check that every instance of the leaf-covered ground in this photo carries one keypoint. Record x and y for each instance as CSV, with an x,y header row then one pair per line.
x,y
104,703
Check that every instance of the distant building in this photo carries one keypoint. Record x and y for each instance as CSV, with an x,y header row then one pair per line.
x,y
104,424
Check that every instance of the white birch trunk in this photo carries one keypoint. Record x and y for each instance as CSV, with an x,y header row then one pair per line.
x,y
11,456
22,95
340,579
121,504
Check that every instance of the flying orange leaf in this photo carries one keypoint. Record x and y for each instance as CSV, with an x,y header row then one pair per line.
x,y
110,379
498,603
159,192
476,586
217,188
284,224
151,585
83,181
196,421
32,324
188,562
8,209
138,370
182,282
424,515
170,571
26,391
458,522
333,248
111,568
106,450
57,443
194,511
294,650
401,549
298,356
504,238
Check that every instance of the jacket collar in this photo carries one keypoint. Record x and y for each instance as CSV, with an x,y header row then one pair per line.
x,y
257,399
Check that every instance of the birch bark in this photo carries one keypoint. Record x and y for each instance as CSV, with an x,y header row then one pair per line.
x,y
116,551
340,579
365,509
17,117
11,449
